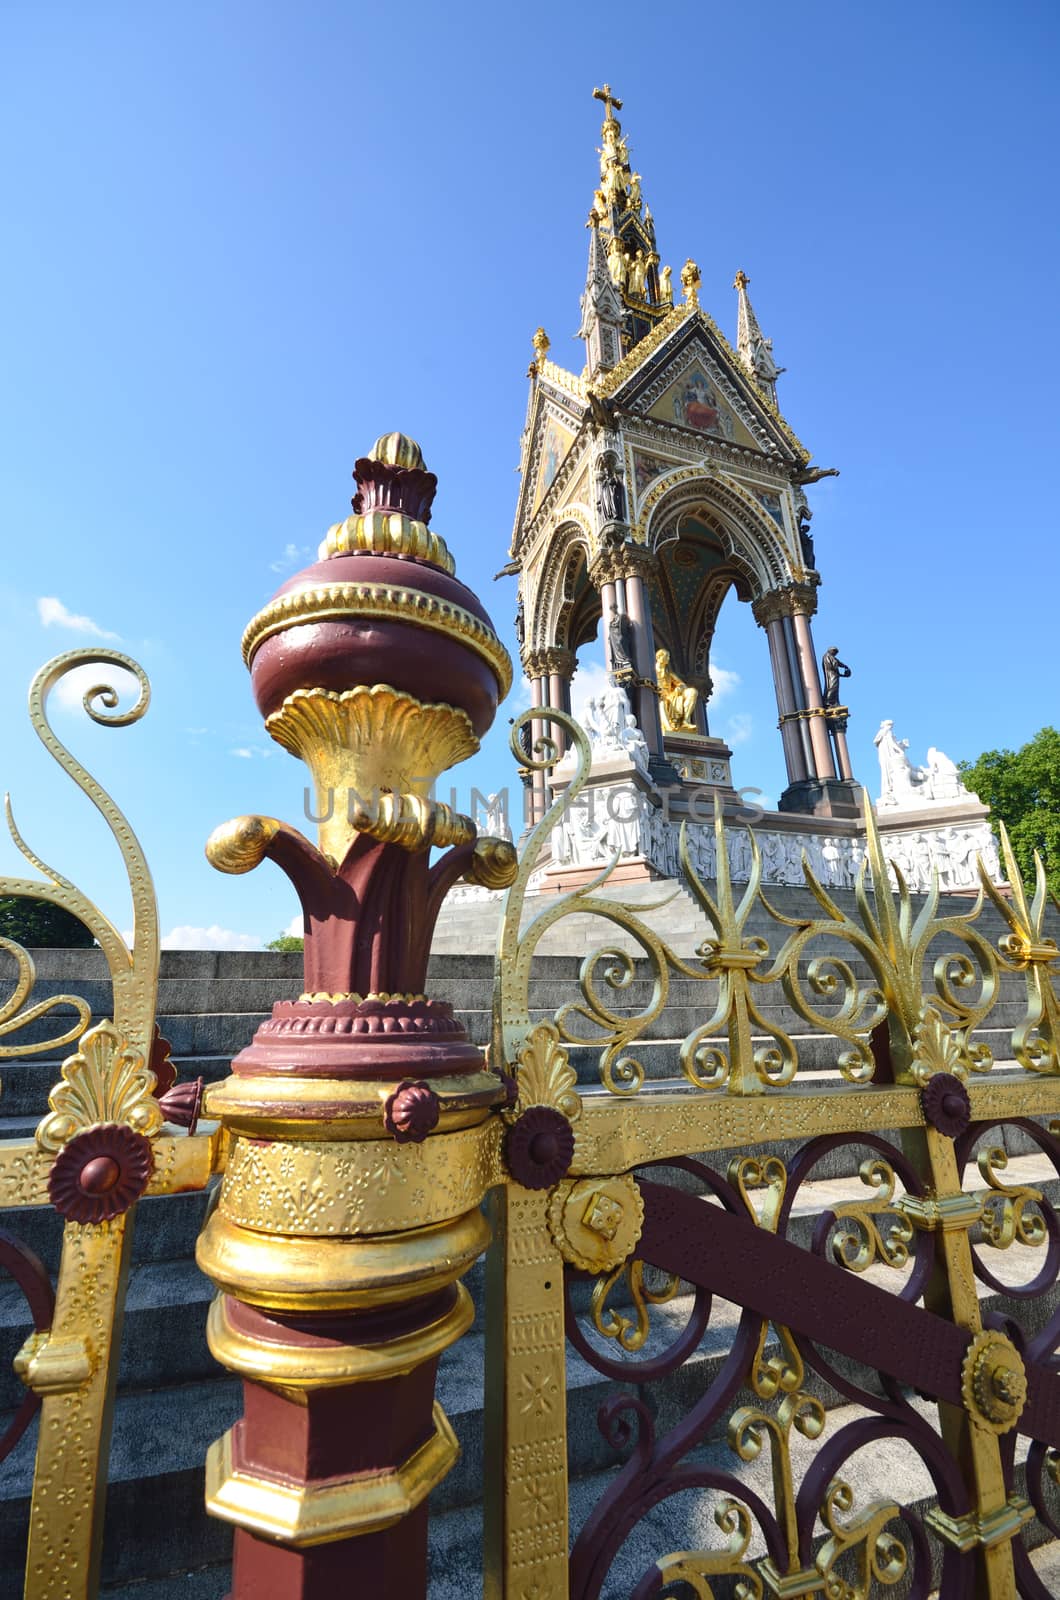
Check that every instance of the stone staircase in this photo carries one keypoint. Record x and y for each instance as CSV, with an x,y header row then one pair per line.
x,y
173,1400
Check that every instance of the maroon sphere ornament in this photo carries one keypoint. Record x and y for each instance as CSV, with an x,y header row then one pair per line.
x,y
946,1104
411,1112
100,1173
539,1147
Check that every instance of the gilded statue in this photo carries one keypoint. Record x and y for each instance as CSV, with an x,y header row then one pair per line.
x,y
638,274
666,286
677,700
616,261
690,281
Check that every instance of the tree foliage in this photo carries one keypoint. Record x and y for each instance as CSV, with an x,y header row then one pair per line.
x,y
1022,789
39,925
286,941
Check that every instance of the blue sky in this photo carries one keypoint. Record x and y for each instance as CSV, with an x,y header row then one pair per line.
x,y
243,240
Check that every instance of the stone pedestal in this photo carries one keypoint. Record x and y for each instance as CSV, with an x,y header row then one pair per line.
x,y
822,797
700,759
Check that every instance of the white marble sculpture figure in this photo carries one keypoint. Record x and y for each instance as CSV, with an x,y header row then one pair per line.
x,y
898,781
905,787
493,819
612,728
944,780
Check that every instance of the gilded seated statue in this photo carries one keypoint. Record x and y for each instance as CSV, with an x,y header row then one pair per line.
x,y
677,700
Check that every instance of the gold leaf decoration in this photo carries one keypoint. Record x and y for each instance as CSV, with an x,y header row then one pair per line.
x,y
545,1075
106,1081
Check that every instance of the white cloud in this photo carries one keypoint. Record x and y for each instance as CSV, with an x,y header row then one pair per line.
x,y
71,689
53,614
296,927
294,556
242,752
589,683
739,728
186,937
724,683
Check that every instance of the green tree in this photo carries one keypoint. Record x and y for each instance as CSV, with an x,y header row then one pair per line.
x,y
1022,789
40,925
286,941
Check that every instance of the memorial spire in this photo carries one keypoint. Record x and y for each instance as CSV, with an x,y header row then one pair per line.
x,y
755,352
622,240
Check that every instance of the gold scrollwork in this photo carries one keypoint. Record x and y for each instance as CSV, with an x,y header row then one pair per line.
x,y
879,1556
632,1332
134,973
859,1241
13,1017
1006,1216
697,1567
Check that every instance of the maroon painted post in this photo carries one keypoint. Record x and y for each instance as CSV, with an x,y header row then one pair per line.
x,y
360,1118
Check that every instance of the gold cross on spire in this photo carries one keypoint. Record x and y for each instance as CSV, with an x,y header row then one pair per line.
x,y
609,100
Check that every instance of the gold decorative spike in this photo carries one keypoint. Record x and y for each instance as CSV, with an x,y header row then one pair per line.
x,y
134,974
1027,949
895,944
721,1051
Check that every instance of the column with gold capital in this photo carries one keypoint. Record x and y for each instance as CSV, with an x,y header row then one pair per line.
x,y
360,1120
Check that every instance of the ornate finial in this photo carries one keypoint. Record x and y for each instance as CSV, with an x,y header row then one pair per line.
x,y
397,450
690,281
394,478
741,280
392,506
609,100
542,345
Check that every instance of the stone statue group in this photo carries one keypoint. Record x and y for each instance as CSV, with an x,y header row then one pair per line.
x,y
903,786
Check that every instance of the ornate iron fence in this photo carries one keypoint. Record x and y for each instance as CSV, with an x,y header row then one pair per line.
x,y
111,1134
361,1133
612,1185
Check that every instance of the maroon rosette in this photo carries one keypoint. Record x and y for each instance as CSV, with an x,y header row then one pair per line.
x,y
946,1104
539,1147
411,1112
100,1173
